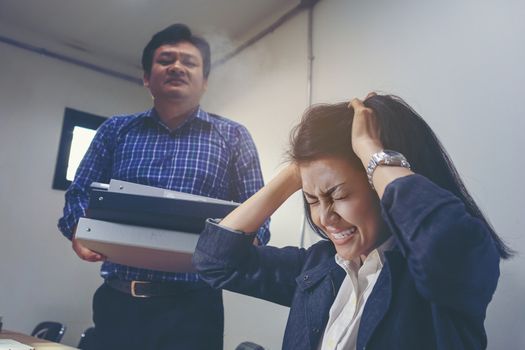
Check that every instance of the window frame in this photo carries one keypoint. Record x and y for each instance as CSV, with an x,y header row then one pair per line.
x,y
72,118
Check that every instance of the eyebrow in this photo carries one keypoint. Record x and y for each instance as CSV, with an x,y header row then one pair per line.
x,y
326,193
182,54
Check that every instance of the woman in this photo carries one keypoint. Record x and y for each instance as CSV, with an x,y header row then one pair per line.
x,y
409,261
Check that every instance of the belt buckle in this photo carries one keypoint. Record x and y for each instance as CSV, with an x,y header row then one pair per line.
x,y
133,285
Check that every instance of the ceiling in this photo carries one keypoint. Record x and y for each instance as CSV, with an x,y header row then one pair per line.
x,y
115,31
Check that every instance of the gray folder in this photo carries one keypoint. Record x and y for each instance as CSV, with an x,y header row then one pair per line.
x,y
146,227
144,247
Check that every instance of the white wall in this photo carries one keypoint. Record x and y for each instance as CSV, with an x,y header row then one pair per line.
x,y
460,64
41,277
264,88
45,278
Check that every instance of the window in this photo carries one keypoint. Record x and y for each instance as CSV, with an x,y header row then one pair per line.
x,y
78,129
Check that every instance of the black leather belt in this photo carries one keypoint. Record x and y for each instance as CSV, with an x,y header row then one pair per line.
x,y
146,289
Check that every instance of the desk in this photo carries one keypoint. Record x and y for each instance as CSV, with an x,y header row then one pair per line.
x,y
38,344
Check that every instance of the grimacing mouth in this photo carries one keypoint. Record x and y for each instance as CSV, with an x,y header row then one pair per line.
x,y
343,233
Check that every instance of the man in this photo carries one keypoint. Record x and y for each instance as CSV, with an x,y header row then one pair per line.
x,y
178,146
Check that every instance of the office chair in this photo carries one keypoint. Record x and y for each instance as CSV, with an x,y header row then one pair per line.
x,y
248,345
52,331
86,339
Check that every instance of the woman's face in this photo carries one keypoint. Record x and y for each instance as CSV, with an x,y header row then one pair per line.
x,y
343,205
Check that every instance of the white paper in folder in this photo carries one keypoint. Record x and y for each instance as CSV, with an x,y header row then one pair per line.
x,y
9,344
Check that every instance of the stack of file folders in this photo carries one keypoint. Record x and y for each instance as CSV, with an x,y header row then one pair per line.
x,y
147,227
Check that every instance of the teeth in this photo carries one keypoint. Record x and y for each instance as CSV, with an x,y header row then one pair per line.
x,y
345,233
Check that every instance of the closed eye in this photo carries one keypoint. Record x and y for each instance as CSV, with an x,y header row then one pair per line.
x,y
164,62
189,63
311,200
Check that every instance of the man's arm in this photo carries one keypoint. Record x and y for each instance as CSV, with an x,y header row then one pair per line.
x,y
85,253
95,166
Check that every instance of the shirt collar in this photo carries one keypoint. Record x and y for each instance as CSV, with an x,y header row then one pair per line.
x,y
198,114
376,257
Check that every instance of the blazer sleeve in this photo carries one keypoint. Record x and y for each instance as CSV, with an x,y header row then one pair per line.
x,y
228,259
450,253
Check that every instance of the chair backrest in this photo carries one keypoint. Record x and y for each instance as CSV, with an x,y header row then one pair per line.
x,y
86,339
52,331
248,345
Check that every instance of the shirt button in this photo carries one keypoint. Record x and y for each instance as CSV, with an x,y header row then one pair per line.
x,y
316,330
306,277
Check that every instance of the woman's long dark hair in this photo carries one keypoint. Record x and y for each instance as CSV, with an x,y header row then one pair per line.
x,y
325,130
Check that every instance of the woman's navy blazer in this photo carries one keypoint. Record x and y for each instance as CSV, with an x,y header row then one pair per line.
x,y
432,292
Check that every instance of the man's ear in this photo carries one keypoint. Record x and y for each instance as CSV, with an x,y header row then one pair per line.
x,y
145,79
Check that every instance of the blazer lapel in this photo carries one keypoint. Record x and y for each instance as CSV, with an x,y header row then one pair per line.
x,y
320,286
379,301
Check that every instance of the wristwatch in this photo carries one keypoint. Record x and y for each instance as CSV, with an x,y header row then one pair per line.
x,y
385,157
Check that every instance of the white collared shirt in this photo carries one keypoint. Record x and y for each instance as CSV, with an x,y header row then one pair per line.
x,y
346,311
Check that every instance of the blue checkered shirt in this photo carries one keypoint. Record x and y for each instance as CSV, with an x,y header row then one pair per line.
x,y
207,155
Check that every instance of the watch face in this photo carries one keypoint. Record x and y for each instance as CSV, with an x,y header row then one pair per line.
x,y
391,153
389,157
385,157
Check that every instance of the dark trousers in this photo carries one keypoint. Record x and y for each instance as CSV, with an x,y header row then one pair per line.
x,y
191,320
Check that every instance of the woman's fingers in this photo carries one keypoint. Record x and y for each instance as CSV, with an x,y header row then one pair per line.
x,y
370,94
364,124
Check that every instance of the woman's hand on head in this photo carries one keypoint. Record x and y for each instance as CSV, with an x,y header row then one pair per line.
x,y
365,131
366,141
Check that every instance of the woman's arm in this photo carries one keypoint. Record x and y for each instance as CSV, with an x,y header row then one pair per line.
x,y
366,142
226,258
250,215
450,253
451,256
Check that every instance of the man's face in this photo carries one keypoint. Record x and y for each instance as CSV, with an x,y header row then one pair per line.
x,y
176,73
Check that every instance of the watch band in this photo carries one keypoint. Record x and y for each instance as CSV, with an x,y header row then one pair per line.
x,y
385,157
